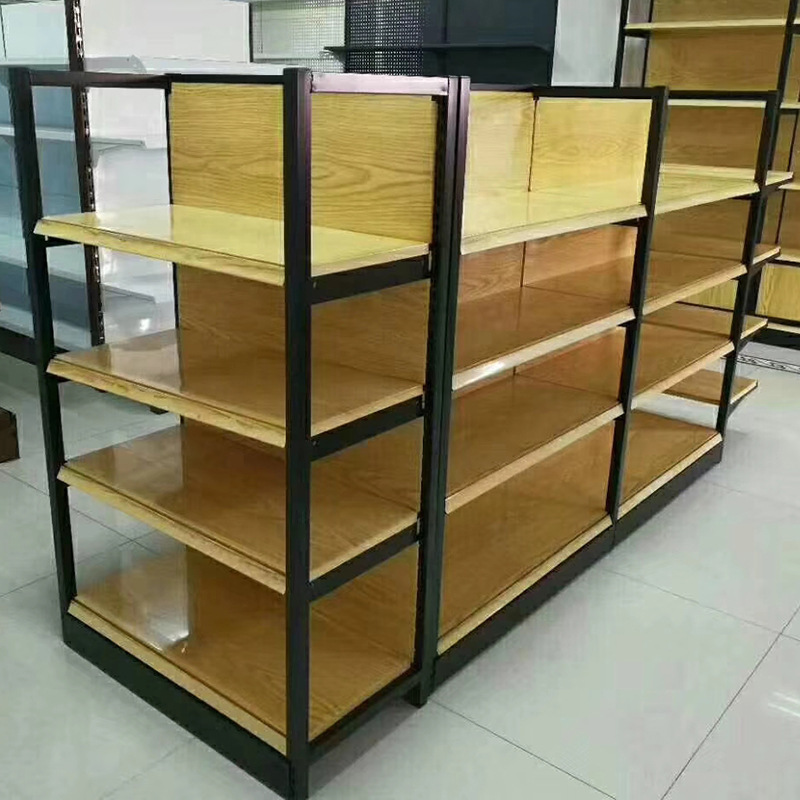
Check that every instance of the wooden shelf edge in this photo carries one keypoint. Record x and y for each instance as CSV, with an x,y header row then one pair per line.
x,y
667,476
767,255
507,472
705,25
790,256
745,387
193,409
163,666
534,576
504,362
779,326
691,289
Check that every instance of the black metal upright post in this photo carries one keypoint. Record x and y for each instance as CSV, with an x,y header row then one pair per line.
x,y
27,162
297,254
446,255
621,41
633,329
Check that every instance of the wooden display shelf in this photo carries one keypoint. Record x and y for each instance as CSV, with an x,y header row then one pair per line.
x,y
226,497
221,636
499,331
794,186
705,320
714,247
705,25
243,394
667,356
706,387
659,448
234,244
672,277
680,188
501,218
790,256
511,537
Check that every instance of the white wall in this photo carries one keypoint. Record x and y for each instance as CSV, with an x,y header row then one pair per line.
x,y
586,42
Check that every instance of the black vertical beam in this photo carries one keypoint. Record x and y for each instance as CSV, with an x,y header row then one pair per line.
x,y
633,329
297,254
27,161
446,254
786,54
167,116
621,42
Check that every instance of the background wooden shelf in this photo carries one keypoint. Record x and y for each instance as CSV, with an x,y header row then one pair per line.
x,y
679,190
220,636
226,497
241,394
705,24
706,387
705,320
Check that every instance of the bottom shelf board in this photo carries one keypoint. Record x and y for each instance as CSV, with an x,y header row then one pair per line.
x,y
221,636
659,448
706,387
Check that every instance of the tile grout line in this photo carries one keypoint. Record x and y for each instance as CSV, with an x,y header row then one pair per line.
x,y
763,498
149,768
521,748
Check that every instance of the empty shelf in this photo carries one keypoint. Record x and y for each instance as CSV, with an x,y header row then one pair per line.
x,y
666,356
222,637
503,330
672,277
249,247
659,448
493,220
510,538
243,394
705,320
714,247
685,189
705,25
502,429
706,387
226,497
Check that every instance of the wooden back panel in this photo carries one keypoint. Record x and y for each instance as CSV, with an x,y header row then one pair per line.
x,y
373,156
500,141
724,220
780,293
490,272
678,10
790,223
579,144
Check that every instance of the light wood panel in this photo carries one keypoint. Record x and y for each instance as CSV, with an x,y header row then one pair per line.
x,y
490,272
667,356
723,296
501,543
739,60
675,10
706,387
226,497
710,25
240,394
780,292
679,189
200,623
704,320
659,449
790,224
234,244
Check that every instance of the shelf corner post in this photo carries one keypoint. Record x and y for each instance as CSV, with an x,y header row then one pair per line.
x,y
446,255
30,190
297,252
620,56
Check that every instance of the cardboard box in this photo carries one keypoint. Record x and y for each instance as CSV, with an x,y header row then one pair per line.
x,y
9,444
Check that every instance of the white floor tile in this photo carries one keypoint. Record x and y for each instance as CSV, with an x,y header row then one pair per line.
x,y
776,400
793,628
723,549
26,537
613,681
753,752
67,732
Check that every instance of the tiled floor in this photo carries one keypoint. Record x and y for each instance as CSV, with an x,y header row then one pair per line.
x,y
669,670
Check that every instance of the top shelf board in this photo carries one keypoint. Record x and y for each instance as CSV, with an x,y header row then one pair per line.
x,y
235,244
706,25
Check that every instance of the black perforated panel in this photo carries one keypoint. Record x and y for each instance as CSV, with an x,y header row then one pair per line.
x,y
385,23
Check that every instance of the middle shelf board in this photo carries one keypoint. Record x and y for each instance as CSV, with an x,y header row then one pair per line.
x,y
226,497
234,244
706,387
705,320
243,394
682,187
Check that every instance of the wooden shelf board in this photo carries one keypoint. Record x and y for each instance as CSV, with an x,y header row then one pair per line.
x,y
502,218
714,247
778,326
234,394
672,277
221,636
791,256
248,247
504,428
667,356
716,103
706,24
659,449
226,497
794,186
679,188
706,387
507,329
766,252
510,538
705,320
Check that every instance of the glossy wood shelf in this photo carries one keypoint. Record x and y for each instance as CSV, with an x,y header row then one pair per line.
x,y
226,497
502,218
667,356
714,247
510,538
659,448
681,188
672,277
221,636
506,329
706,25
705,320
706,387
234,244
243,394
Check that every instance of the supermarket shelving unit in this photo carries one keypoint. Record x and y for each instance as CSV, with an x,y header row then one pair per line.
x,y
702,46
416,353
